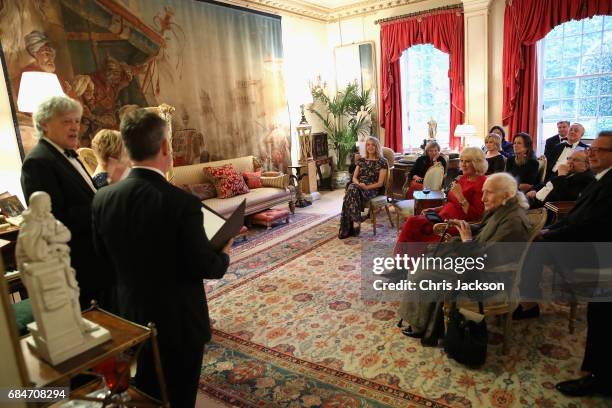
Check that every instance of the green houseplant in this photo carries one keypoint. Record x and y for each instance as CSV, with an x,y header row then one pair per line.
x,y
340,118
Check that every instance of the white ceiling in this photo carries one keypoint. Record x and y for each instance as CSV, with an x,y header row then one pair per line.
x,y
333,4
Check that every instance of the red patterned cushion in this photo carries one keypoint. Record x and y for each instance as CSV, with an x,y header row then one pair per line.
x,y
227,182
253,180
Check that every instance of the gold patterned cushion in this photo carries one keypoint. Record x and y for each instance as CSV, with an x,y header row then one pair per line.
x,y
281,181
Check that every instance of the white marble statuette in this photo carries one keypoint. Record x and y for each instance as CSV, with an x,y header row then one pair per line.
x,y
43,256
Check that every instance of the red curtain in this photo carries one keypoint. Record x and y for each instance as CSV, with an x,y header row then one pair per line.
x,y
525,23
444,30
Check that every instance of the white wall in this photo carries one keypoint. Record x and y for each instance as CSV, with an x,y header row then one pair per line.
x,y
10,160
305,57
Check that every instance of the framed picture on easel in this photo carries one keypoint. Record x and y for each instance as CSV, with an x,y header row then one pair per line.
x,y
320,148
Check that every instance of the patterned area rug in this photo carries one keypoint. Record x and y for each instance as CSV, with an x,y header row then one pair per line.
x,y
258,234
291,330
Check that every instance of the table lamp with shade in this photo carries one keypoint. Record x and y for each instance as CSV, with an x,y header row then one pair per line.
x,y
35,87
465,131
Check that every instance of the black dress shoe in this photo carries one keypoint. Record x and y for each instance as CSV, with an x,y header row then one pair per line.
x,y
408,332
520,313
587,385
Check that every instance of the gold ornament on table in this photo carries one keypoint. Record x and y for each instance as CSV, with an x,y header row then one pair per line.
x,y
303,130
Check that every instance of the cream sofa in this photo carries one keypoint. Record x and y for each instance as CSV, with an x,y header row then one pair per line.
x,y
257,199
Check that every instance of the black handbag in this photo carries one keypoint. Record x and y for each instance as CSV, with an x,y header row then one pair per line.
x,y
465,340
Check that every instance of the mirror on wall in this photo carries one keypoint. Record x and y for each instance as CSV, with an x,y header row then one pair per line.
x,y
356,62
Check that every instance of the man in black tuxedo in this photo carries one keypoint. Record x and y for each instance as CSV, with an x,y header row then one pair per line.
x,y
551,142
52,166
152,234
559,154
572,178
591,221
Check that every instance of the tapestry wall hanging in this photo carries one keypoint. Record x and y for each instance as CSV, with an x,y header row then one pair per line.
x,y
219,66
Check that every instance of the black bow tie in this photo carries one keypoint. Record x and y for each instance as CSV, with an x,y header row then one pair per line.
x,y
562,139
71,153
566,144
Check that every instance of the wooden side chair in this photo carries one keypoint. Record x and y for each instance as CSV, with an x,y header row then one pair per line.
x,y
505,307
381,200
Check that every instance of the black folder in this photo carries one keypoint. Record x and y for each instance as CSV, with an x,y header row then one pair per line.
x,y
218,229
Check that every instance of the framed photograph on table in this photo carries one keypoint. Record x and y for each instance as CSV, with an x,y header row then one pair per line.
x,y
11,206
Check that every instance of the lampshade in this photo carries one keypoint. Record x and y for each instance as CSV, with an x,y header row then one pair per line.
x,y
465,130
35,87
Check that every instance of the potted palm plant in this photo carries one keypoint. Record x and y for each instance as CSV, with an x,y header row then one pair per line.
x,y
340,118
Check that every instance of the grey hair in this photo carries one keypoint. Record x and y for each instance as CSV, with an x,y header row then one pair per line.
x,y
579,126
505,183
377,144
49,108
478,159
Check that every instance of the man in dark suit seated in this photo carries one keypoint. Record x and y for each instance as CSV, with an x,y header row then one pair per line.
x,y
591,221
572,178
559,154
551,142
53,167
151,235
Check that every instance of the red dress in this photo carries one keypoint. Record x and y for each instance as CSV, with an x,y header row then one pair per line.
x,y
419,229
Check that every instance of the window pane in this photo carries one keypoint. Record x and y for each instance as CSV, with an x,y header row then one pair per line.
x,y
587,107
555,32
573,27
554,47
608,23
551,109
568,88
568,108
590,65
605,85
571,66
589,87
571,46
551,90
590,126
592,24
591,43
607,42
552,69
605,106
604,123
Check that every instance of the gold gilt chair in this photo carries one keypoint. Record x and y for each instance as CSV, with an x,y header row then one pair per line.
x,y
542,164
505,307
88,158
376,203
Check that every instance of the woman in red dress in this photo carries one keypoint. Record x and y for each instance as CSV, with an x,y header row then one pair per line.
x,y
464,199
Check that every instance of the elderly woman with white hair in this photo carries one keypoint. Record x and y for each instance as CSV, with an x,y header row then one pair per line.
x,y
464,200
53,167
505,220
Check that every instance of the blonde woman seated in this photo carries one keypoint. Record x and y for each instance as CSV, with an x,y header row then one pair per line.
x,y
496,161
368,179
112,157
505,220
464,200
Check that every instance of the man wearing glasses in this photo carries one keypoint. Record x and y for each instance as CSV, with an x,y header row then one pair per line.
x,y
591,221
573,177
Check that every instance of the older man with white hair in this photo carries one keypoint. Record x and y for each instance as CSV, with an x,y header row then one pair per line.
x,y
559,154
53,167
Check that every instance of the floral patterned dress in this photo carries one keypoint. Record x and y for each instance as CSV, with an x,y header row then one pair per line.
x,y
355,197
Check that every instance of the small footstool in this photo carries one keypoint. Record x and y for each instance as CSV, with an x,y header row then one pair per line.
x,y
268,217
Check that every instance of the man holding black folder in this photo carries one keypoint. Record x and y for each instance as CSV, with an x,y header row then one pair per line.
x,y
152,235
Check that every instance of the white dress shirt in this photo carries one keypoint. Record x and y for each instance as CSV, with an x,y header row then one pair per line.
x,y
567,152
602,173
158,171
75,163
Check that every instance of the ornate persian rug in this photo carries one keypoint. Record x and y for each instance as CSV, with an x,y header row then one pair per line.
x,y
291,330
258,234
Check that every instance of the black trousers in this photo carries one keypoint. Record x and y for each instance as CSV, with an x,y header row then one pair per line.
x,y
598,355
181,367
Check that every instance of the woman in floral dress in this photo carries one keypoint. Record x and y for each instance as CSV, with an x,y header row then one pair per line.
x,y
368,179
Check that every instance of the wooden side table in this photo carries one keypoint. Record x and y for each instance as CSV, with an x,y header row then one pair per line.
x,y
559,209
423,201
400,176
124,335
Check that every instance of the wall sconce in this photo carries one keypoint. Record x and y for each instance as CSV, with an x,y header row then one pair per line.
x,y
465,131
35,87
303,130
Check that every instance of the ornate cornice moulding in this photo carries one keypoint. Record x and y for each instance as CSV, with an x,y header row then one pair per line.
x,y
323,14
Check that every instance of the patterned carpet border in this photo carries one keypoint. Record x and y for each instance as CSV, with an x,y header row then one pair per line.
x,y
259,234
397,397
